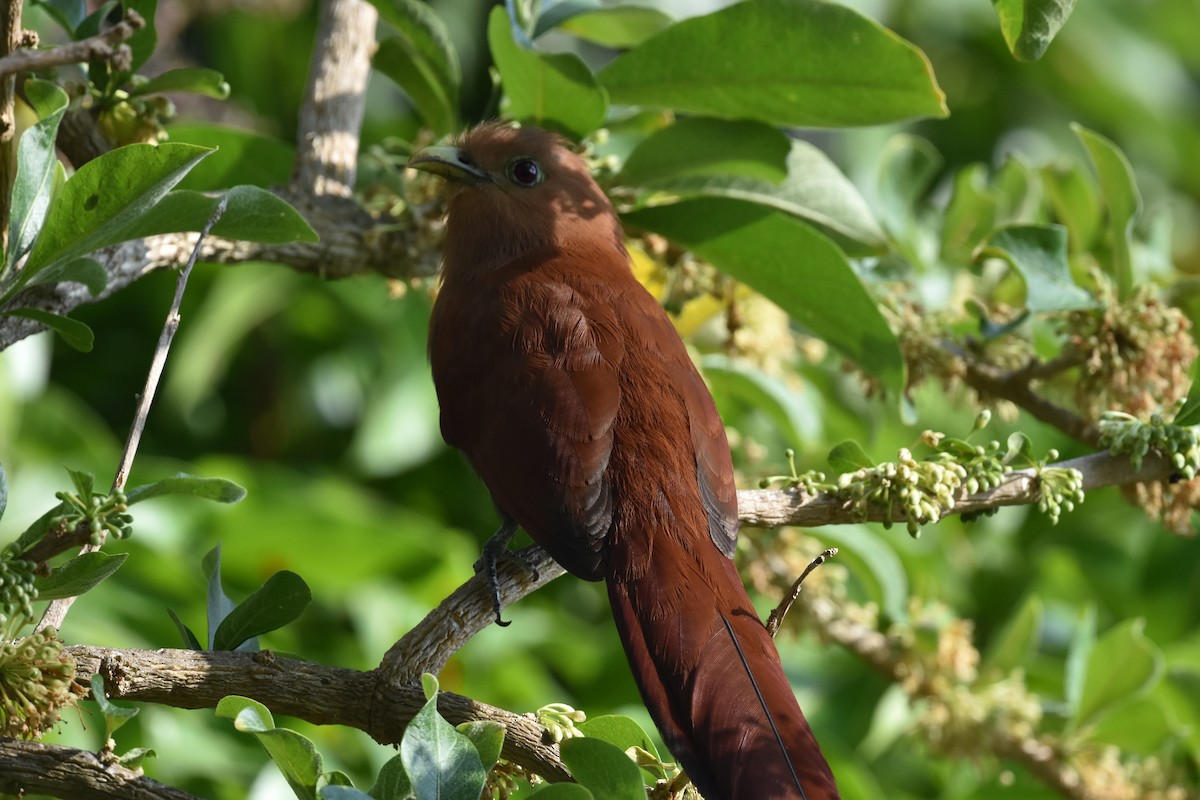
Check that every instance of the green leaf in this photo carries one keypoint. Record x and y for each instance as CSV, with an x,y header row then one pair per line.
x,y
876,564
1142,727
603,768
430,42
1122,198
36,163
277,602
1039,254
555,91
970,214
193,80
88,271
251,214
907,168
293,754
619,27
783,62
1083,640
849,456
73,332
488,738
217,605
343,793
1073,196
79,575
68,13
105,198
549,15
440,761
132,759
114,715
762,392
190,641
399,58
1019,450
145,39
620,731
1018,639
1189,412
3,491
814,190
218,489
562,791
796,267
241,157
706,146
1122,665
392,782
84,482
1030,25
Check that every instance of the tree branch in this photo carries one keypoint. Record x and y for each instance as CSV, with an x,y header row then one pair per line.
x,y
331,117
352,243
50,769
101,47
315,693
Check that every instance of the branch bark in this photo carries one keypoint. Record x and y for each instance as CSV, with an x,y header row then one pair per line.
x,y
312,692
102,46
331,117
57,771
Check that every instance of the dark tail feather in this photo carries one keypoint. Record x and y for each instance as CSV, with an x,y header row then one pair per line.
x,y
712,680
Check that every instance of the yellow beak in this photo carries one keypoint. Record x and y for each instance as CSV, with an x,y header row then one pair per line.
x,y
450,163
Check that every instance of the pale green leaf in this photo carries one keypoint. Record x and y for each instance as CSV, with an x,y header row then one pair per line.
x,y
784,62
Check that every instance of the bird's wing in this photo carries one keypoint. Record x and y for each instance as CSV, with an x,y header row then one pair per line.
x,y
528,387
713,464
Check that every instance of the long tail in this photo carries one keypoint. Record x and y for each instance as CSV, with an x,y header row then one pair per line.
x,y
712,679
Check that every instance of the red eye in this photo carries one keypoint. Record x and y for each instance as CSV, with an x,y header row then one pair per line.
x,y
525,172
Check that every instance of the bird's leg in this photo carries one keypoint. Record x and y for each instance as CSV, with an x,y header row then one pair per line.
x,y
494,549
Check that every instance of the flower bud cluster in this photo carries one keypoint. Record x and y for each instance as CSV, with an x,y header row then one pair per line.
x,y
1061,490
1124,434
17,594
36,682
99,512
924,490
559,720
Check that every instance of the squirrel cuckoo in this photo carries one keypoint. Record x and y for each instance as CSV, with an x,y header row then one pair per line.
x,y
571,394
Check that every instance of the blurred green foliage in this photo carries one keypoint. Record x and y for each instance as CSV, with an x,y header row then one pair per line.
x,y
315,396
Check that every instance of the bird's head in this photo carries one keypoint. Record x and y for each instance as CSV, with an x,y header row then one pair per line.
x,y
514,191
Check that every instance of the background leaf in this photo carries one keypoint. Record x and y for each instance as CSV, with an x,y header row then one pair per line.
x,y
785,62
555,91
1039,254
794,266
1030,25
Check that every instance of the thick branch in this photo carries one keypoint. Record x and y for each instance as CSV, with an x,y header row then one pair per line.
x,y
468,610
101,47
318,694
331,117
351,244
10,40
49,769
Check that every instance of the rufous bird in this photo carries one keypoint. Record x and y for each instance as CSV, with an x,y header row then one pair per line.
x,y
571,394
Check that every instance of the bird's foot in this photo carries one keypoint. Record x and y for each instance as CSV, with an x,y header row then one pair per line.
x,y
495,549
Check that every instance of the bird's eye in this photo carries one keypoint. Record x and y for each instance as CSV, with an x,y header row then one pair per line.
x,y
524,172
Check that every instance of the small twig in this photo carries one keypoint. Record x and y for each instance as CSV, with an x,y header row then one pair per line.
x,y
101,47
57,610
785,605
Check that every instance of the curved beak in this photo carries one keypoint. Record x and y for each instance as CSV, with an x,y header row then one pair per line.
x,y
449,162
